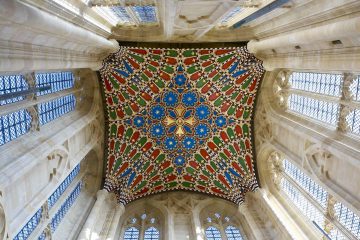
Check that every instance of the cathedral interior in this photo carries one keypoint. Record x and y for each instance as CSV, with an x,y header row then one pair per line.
x,y
180,119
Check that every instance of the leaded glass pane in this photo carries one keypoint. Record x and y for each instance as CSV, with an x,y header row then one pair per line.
x,y
314,189
29,227
300,201
323,83
348,219
323,111
14,125
230,15
53,109
233,233
212,233
42,236
11,84
63,186
145,14
131,234
353,120
151,234
355,89
121,13
57,80
55,221
336,234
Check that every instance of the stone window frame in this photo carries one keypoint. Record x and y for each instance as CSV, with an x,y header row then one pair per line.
x,y
143,221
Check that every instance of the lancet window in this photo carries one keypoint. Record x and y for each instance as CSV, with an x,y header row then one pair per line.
x,y
221,226
329,216
144,226
331,99
28,101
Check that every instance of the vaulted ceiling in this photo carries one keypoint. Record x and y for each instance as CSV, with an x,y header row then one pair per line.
x,y
180,119
168,20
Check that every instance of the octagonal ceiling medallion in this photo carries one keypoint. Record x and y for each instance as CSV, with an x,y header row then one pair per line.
x,y
180,119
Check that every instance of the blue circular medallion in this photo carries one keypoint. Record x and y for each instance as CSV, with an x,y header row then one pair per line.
x,y
179,161
202,130
220,121
202,112
139,121
157,130
189,99
189,143
170,143
157,112
170,98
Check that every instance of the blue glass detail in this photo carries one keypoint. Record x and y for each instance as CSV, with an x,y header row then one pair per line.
x,y
42,236
220,121
30,226
51,110
157,130
56,220
57,80
170,143
202,112
151,234
11,84
189,143
13,125
189,99
145,14
233,233
231,15
171,99
62,187
201,130
157,112
131,234
121,13
212,233
139,121
179,161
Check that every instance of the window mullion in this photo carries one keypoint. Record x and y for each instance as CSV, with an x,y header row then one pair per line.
x,y
345,103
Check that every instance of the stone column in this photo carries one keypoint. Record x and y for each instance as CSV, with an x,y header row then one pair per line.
x,y
113,230
92,219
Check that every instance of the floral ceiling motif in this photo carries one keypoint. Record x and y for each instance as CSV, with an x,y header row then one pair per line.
x,y
180,119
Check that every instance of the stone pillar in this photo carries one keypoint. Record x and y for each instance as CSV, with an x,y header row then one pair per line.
x,y
86,232
113,230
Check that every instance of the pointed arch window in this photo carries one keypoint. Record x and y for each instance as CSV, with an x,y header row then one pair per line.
x,y
233,233
333,218
151,234
13,125
131,233
212,233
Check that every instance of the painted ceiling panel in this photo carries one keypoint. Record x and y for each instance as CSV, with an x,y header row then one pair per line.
x,y
180,119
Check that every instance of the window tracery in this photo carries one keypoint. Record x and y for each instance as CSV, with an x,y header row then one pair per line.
x,y
142,225
222,225
332,217
29,116
330,98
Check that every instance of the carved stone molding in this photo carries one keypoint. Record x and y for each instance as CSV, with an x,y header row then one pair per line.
x,y
275,163
35,124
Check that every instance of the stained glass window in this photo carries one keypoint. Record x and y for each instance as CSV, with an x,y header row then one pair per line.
x,y
322,83
131,233
353,120
303,204
212,233
121,13
348,219
314,189
42,236
14,125
53,109
57,80
233,233
355,89
63,186
11,84
151,234
55,221
145,14
30,226
230,15
323,111
335,234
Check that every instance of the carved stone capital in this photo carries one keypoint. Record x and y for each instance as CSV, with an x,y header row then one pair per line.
x,y
275,163
35,124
